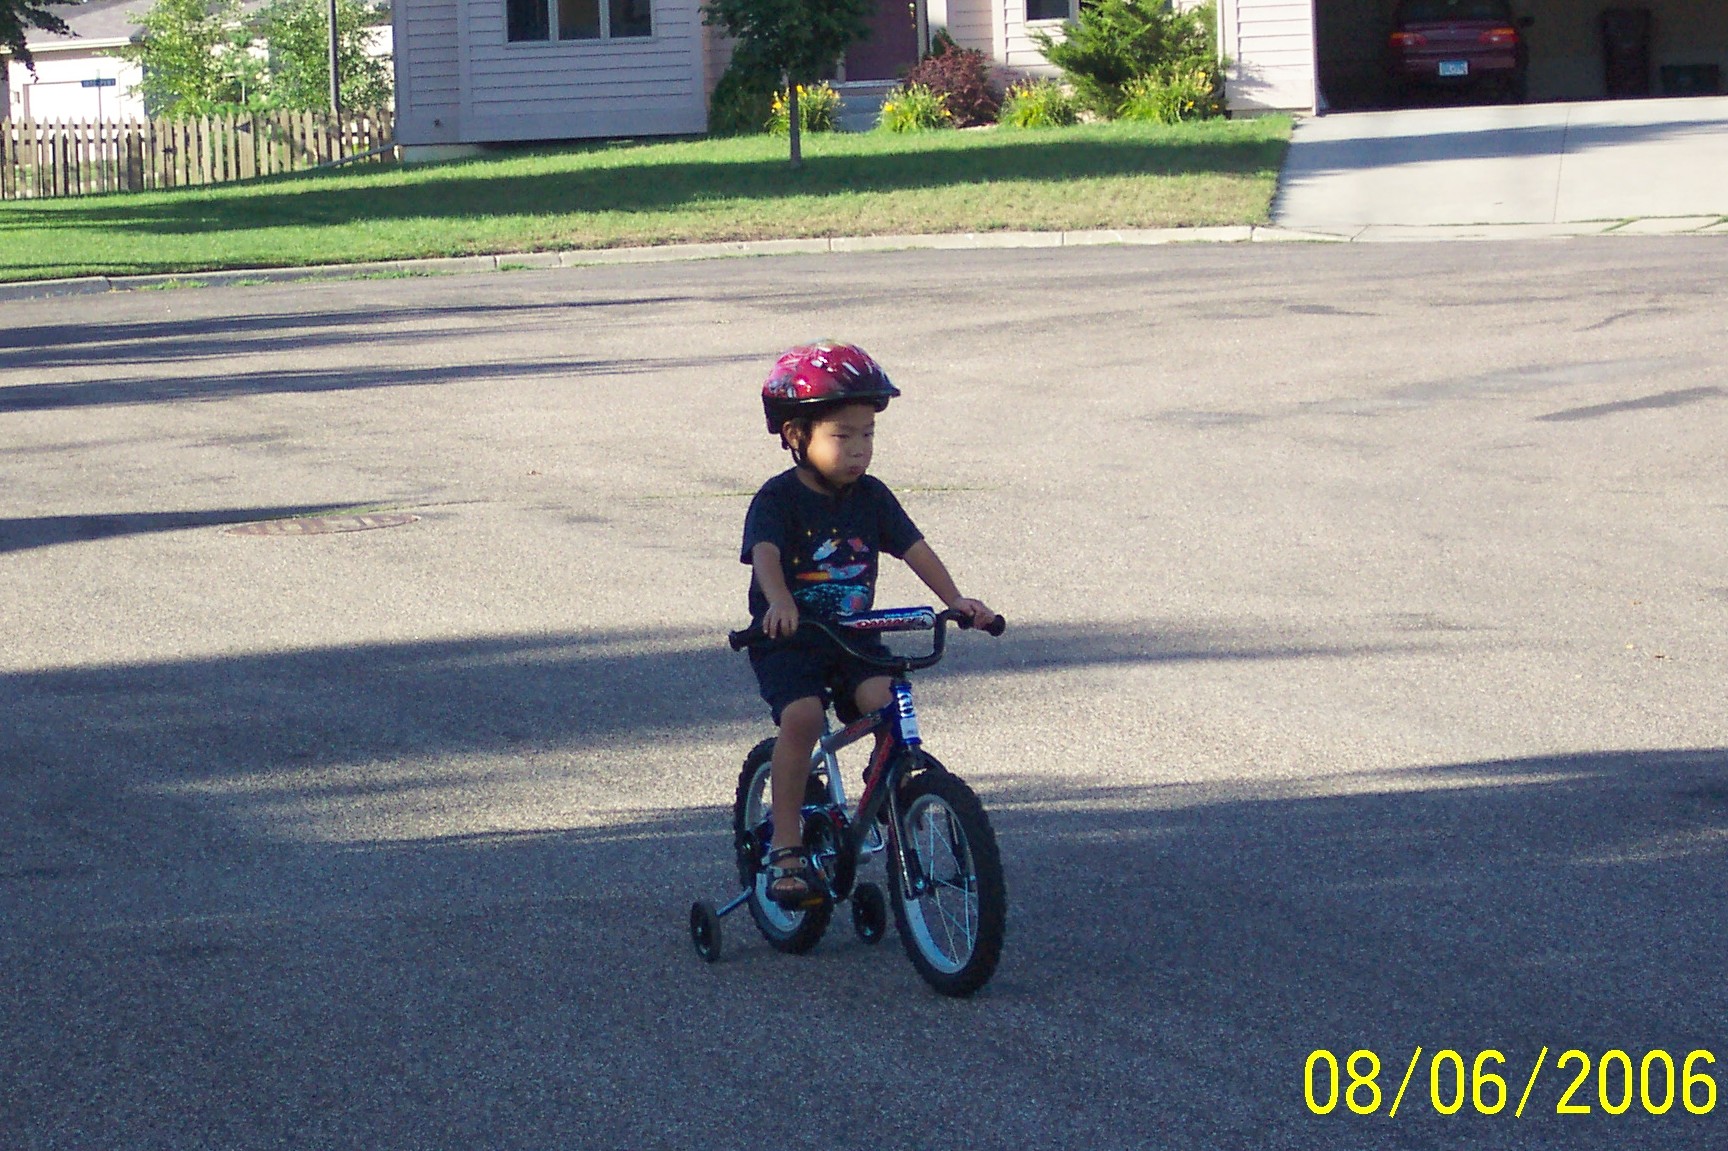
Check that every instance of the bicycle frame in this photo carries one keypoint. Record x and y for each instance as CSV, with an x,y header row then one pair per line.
x,y
899,720
899,772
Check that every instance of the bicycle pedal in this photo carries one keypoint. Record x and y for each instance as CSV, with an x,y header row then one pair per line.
x,y
808,903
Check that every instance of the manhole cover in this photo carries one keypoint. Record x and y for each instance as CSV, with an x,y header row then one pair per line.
x,y
324,525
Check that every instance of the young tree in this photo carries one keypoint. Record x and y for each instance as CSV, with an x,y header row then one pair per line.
x,y
298,33
798,39
197,59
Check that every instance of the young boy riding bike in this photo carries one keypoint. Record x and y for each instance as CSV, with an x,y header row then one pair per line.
x,y
812,537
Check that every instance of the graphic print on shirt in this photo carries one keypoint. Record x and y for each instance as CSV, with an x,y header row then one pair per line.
x,y
839,582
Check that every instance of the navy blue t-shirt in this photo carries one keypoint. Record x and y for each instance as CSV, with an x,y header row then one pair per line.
x,y
829,545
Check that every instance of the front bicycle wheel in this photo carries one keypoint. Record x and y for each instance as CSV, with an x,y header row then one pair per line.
x,y
793,932
950,904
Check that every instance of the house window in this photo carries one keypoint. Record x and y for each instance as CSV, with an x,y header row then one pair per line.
x,y
1048,10
577,19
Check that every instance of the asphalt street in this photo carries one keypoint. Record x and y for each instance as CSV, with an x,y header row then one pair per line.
x,y
1363,692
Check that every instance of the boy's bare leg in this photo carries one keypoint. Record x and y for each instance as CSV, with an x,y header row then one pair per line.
x,y
873,695
800,728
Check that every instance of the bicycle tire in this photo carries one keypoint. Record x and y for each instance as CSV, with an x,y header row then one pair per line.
x,y
793,932
954,944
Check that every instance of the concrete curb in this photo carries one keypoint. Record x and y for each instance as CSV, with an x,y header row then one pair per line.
x,y
969,241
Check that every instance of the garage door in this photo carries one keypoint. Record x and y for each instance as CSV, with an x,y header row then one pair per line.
x,y
1688,48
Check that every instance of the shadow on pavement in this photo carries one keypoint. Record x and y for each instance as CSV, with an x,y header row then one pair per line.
x,y
229,336
112,391
1490,141
1674,399
227,716
45,531
190,961
1175,955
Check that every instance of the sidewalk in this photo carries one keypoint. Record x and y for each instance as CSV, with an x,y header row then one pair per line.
x,y
968,241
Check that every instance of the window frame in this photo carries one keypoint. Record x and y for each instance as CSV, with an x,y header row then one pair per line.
x,y
605,37
1029,19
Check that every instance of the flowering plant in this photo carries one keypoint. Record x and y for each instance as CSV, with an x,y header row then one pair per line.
x,y
914,108
818,107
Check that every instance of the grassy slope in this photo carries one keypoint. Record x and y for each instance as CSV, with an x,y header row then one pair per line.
x,y
1098,176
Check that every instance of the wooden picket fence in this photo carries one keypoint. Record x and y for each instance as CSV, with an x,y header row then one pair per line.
x,y
78,158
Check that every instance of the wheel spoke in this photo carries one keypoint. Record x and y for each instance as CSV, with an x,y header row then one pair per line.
x,y
938,839
953,927
936,885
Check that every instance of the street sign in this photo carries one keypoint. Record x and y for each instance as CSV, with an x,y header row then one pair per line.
x,y
108,83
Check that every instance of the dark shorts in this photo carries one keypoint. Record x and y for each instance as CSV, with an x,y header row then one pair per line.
x,y
791,669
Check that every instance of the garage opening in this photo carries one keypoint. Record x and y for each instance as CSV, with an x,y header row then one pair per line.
x,y
1648,48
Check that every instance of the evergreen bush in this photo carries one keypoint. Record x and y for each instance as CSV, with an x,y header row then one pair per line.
x,y
1118,41
743,100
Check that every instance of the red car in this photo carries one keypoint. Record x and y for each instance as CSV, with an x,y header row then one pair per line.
x,y
1438,45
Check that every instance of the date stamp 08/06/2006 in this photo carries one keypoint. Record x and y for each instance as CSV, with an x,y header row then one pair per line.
x,y
1614,1081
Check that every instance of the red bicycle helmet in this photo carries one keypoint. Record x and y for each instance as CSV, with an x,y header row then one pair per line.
x,y
811,377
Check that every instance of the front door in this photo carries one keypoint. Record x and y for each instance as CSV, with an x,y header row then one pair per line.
x,y
892,45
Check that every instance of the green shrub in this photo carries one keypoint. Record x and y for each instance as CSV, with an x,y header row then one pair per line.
x,y
1039,104
742,100
1116,41
914,108
1172,100
818,109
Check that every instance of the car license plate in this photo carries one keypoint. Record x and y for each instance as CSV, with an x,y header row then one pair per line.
x,y
1454,67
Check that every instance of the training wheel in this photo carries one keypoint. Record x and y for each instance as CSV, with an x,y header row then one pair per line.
x,y
869,913
705,930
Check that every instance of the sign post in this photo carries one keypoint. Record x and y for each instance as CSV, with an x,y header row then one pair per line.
x,y
99,83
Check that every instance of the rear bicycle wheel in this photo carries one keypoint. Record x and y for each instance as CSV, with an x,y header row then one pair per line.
x,y
953,922
793,932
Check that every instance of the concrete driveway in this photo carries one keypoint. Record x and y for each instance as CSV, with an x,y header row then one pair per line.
x,y
1551,164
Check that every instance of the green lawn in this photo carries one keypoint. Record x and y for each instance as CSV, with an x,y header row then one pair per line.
x,y
1095,176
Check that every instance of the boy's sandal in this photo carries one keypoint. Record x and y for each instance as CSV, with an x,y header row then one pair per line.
x,y
793,882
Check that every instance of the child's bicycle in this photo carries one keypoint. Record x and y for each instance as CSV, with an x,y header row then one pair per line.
x,y
944,873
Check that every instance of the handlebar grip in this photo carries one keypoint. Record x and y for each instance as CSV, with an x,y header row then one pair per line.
x,y
996,627
743,639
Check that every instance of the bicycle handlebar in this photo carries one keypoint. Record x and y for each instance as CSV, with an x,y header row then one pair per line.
x,y
754,634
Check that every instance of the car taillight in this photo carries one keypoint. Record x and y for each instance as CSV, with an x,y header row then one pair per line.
x,y
1408,39
1499,37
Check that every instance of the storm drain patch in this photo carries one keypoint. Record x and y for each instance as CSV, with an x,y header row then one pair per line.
x,y
324,525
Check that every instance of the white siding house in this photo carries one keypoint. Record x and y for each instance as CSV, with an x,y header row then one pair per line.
x,y
483,71
78,77
76,81
1270,46
75,77
492,71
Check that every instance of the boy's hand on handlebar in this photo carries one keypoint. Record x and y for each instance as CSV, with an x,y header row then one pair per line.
x,y
975,610
781,620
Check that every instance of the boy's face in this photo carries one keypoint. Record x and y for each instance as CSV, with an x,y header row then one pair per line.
x,y
840,444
